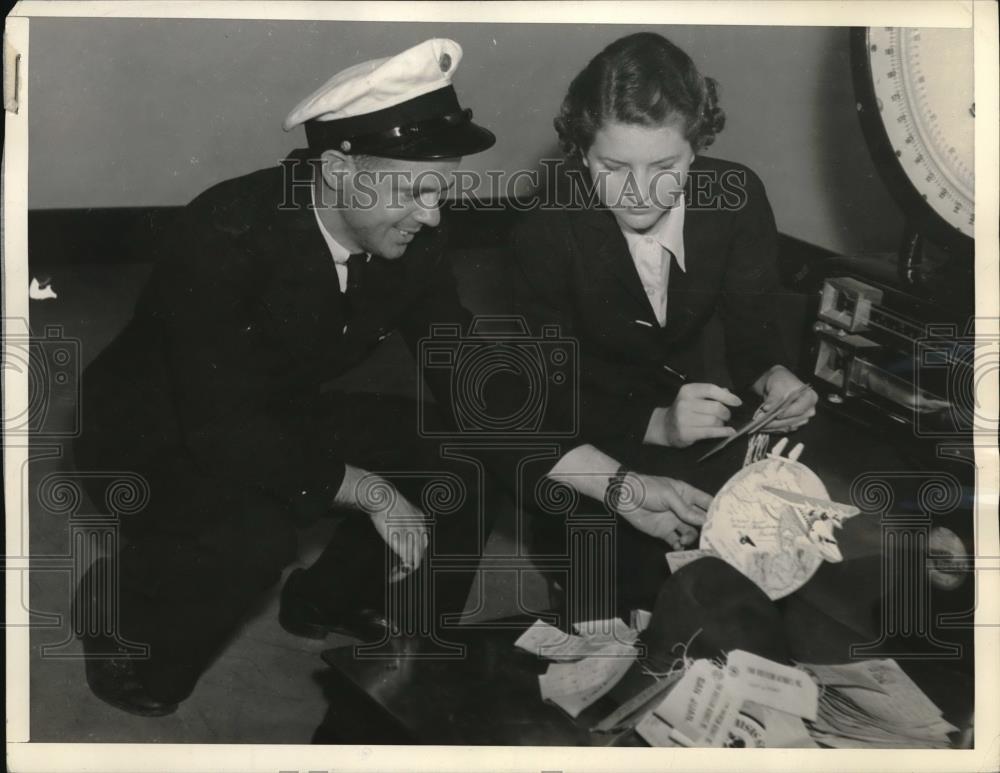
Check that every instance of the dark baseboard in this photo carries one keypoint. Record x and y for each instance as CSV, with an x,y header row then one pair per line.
x,y
102,235
110,235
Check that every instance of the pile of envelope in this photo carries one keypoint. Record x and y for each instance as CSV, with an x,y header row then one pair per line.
x,y
748,701
588,663
874,704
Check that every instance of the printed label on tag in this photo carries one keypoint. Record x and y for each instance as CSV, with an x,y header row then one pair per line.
x,y
722,716
746,733
771,684
701,706
679,707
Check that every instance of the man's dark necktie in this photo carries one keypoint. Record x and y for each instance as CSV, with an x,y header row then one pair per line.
x,y
356,264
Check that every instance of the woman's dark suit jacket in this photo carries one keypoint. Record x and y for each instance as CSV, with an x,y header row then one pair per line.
x,y
573,268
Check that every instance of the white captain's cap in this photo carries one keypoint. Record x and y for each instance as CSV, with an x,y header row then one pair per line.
x,y
402,106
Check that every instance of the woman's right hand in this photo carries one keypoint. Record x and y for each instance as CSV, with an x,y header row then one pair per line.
x,y
668,509
700,412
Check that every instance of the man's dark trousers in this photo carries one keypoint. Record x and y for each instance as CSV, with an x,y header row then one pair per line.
x,y
204,551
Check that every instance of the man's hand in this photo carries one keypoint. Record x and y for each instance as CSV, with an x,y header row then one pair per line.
x,y
668,509
397,520
773,386
699,412
403,530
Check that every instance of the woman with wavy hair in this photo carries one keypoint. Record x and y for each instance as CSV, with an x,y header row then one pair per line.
x,y
661,240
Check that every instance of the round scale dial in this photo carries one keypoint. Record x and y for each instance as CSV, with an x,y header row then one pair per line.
x,y
922,81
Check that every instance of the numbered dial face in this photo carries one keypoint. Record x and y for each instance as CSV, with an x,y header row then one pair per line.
x,y
923,82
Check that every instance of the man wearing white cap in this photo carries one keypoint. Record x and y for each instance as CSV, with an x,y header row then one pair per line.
x,y
269,287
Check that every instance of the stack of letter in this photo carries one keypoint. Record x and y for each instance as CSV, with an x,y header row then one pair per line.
x,y
747,701
874,704
754,702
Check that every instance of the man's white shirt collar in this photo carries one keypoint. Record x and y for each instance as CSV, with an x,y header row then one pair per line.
x,y
338,252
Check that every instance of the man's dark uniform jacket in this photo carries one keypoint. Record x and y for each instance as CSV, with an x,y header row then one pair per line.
x,y
239,327
215,393
573,268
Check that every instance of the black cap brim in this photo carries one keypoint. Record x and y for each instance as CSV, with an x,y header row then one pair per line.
x,y
449,142
428,127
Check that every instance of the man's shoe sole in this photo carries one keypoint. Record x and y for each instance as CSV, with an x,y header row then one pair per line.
x,y
150,707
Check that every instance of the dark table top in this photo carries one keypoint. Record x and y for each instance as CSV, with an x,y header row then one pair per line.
x,y
490,694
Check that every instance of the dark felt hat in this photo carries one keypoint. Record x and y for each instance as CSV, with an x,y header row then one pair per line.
x,y
711,608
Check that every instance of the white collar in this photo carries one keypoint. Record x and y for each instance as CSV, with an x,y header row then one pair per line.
x,y
668,231
338,252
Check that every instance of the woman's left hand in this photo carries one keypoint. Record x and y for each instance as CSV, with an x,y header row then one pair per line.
x,y
773,387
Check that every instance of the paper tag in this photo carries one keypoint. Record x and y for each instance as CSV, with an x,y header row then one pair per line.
x,y
747,732
680,707
612,629
540,635
678,558
702,706
547,641
574,686
772,684
656,732
722,717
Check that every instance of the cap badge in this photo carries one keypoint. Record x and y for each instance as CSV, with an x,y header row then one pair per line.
x,y
445,62
345,146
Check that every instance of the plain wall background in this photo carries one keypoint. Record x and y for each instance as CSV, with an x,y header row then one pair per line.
x,y
133,112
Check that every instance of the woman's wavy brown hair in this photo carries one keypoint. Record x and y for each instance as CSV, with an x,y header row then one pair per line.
x,y
640,79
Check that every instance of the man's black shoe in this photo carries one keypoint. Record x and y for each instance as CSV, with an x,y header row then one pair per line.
x,y
302,617
115,681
